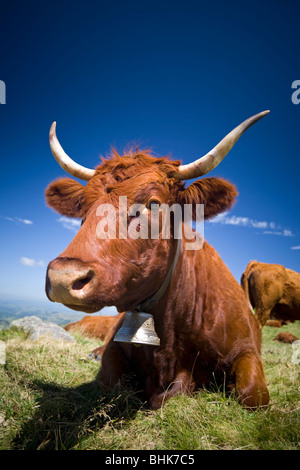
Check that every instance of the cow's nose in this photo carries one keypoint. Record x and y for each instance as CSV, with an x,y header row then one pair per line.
x,y
69,282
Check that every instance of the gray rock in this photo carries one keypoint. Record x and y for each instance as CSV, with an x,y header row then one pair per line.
x,y
37,328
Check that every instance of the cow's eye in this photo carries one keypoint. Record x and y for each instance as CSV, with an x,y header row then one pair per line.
x,y
152,203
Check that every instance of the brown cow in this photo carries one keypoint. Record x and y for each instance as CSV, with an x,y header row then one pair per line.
x,y
207,331
273,290
285,337
275,323
96,327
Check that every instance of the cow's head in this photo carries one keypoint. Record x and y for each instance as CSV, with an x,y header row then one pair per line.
x,y
93,272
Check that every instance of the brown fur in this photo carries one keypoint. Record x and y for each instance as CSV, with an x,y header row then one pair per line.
x,y
65,195
215,193
285,337
274,323
273,290
97,327
206,328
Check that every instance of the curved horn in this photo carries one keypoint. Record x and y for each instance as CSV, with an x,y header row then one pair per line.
x,y
65,161
215,156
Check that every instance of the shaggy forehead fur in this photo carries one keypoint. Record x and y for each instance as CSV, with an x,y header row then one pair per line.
x,y
133,160
140,177
135,169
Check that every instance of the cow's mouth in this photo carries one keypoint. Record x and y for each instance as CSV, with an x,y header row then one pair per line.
x,y
84,308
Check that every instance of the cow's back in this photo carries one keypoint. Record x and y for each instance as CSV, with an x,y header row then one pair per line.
x,y
290,300
94,326
273,290
265,284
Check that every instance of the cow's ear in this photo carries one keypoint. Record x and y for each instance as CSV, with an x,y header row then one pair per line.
x,y
65,196
216,194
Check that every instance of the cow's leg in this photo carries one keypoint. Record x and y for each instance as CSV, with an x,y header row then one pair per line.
x,y
250,385
98,353
263,315
114,365
183,383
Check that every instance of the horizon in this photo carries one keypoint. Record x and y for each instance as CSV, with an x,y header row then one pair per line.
x,y
173,77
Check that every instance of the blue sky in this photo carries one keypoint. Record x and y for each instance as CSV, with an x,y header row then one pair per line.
x,y
175,76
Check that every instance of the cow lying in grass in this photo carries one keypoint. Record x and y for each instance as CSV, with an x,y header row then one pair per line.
x,y
206,329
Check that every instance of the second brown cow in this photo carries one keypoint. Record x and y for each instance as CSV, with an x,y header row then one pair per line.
x,y
273,290
97,327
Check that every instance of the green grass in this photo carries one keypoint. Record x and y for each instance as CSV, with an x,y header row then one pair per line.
x,y
51,400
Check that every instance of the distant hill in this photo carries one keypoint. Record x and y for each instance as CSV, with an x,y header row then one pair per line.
x,y
12,309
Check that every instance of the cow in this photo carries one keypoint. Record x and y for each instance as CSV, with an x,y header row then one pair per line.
x,y
206,329
273,291
97,327
276,323
286,337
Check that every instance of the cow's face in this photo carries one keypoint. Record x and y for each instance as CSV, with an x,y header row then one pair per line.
x,y
93,272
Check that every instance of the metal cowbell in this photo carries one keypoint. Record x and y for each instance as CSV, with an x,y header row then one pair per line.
x,y
138,328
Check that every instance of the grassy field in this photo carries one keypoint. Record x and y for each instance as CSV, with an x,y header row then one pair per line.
x,y
50,400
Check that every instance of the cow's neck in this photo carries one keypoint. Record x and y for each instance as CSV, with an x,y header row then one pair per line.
x,y
186,292
151,302
200,277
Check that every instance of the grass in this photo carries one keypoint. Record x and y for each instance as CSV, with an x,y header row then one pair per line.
x,y
51,400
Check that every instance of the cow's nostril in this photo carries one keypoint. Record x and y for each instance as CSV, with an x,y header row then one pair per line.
x,y
80,283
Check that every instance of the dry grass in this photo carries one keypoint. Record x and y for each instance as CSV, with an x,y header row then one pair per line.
x,y
51,400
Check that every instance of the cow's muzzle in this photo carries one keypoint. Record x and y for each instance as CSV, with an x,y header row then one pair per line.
x,y
70,282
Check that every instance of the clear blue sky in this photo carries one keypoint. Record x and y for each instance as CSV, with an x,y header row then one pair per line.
x,y
172,75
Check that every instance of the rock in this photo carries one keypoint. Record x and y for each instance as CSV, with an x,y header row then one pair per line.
x,y
37,328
